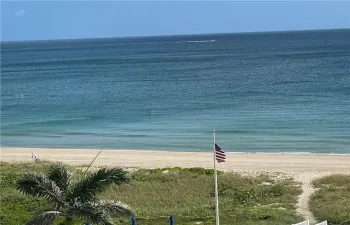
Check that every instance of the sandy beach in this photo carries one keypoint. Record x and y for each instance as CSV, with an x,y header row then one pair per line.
x,y
267,162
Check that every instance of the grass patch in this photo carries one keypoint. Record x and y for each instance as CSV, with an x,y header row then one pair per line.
x,y
187,194
332,201
15,207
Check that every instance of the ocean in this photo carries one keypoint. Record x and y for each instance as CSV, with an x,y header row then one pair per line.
x,y
260,92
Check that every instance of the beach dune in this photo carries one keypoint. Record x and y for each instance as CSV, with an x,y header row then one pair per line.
x,y
304,168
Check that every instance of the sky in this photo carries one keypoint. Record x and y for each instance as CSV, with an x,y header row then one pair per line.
x,y
44,20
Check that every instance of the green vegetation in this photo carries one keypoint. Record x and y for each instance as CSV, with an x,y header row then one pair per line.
x,y
16,208
332,201
71,195
185,193
74,196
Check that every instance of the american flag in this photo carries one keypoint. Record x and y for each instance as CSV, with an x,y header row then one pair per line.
x,y
219,154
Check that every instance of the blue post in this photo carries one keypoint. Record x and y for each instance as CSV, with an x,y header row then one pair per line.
x,y
133,220
171,219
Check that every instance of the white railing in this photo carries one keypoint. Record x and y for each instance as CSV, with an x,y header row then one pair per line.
x,y
302,223
307,223
322,223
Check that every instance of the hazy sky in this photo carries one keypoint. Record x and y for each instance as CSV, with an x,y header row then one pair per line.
x,y
33,20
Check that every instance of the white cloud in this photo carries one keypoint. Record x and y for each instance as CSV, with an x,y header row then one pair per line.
x,y
19,12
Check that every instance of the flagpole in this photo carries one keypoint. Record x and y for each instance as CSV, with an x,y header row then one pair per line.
x,y
216,185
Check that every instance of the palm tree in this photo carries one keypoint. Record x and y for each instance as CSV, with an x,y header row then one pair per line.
x,y
74,197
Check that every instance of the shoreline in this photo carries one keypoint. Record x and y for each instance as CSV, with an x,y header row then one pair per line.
x,y
165,150
237,162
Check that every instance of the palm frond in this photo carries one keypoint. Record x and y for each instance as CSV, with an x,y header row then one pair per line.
x,y
38,185
96,182
115,208
91,212
61,175
44,218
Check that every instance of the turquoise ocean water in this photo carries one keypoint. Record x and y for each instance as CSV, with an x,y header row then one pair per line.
x,y
261,92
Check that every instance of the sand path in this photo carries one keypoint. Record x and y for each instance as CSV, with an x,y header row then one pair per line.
x,y
303,201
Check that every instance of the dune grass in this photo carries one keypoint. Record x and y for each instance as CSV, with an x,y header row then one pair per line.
x,y
187,194
331,201
16,208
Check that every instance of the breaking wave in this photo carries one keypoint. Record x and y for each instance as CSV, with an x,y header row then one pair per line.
x,y
196,41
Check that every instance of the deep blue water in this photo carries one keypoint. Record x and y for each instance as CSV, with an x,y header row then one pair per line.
x,y
271,92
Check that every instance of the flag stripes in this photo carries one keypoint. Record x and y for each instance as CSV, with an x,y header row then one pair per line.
x,y
220,155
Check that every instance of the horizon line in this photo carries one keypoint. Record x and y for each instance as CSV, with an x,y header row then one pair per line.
x,y
174,35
